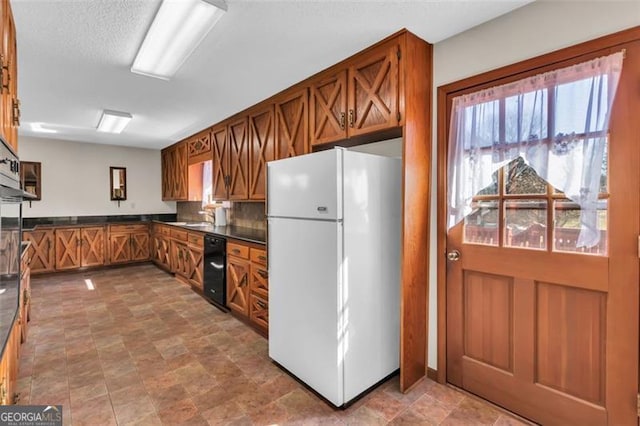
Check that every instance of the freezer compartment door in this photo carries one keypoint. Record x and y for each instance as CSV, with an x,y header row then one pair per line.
x,y
307,186
305,318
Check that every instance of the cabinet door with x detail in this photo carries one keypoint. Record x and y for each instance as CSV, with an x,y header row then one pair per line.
x,y
373,91
92,245
67,248
238,285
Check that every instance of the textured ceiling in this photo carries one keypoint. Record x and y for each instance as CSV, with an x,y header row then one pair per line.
x,y
74,58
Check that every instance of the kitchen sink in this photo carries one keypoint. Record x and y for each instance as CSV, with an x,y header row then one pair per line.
x,y
198,224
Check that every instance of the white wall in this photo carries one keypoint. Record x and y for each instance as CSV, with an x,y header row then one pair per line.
x,y
387,148
75,179
535,29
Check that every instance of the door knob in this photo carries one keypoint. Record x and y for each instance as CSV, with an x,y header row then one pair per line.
x,y
453,255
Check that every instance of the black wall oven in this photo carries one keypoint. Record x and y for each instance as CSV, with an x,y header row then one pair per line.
x,y
11,197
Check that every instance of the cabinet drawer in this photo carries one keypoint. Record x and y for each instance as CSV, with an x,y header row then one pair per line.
x,y
179,234
259,311
259,280
142,227
258,256
161,229
238,250
196,239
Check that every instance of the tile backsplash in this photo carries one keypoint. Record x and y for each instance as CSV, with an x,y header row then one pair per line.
x,y
247,215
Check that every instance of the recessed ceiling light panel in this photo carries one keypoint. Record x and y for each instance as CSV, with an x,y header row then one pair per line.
x,y
113,121
178,28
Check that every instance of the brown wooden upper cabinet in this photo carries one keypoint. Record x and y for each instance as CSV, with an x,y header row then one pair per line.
x,y
362,98
292,124
199,147
238,146
220,162
261,149
9,103
175,183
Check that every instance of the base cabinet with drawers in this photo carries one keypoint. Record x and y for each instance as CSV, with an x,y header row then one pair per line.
x,y
248,282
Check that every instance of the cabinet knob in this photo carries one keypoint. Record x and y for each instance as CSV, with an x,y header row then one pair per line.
x,y
342,120
351,118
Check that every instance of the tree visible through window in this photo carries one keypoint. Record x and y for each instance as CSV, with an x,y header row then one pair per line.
x,y
528,160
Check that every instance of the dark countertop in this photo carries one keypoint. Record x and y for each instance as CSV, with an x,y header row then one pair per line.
x,y
258,236
32,222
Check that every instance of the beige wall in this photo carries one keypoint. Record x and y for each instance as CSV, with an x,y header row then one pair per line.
x,y
535,29
75,178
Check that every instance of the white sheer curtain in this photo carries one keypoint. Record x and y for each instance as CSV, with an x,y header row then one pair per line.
x,y
556,121
207,182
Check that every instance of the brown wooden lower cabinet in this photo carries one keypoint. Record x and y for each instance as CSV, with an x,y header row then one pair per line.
x,y
248,282
160,251
41,250
180,252
67,248
92,246
129,243
238,285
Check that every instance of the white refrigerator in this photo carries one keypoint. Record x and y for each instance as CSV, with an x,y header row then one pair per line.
x,y
334,229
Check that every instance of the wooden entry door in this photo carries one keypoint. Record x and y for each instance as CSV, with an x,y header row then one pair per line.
x,y
532,323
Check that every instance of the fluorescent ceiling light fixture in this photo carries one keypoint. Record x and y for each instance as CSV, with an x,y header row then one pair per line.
x,y
113,121
176,31
37,127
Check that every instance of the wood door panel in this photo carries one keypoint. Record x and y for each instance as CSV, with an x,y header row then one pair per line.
x,y
570,340
524,398
196,260
259,311
292,125
238,178
67,248
260,280
119,248
42,250
220,162
92,246
181,172
590,271
373,91
139,246
199,144
328,98
238,285
488,319
262,149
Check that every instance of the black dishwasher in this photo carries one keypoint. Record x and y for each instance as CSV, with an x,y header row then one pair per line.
x,y
215,265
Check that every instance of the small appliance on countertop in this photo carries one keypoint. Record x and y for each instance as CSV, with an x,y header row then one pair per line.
x,y
220,216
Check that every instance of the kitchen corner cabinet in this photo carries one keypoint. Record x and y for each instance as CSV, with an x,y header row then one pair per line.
x,y
180,252
175,172
128,243
361,98
160,246
9,103
247,283
42,250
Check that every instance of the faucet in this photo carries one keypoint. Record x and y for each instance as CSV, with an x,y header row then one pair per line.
x,y
207,214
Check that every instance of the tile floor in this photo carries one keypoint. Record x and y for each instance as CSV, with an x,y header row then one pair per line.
x,y
144,349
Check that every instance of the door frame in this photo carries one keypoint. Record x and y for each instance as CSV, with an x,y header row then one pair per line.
x,y
509,73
